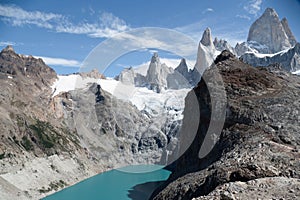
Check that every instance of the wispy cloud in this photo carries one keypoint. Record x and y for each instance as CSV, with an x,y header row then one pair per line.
x,y
60,61
19,17
140,38
244,17
207,10
152,51
253,7
229,33
5,43
195,30
106,26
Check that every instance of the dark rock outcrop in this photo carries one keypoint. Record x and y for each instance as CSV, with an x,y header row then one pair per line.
x,y
27,117
259,139
25,66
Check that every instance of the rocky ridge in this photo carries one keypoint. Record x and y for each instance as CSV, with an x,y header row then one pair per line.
x,y
50,142
161,77
33,139
259,143
289,59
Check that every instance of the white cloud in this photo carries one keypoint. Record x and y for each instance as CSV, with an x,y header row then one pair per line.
x,y
195,30
253,7
141,38
19,17
207,10
106,26
243,17
5,43
60,61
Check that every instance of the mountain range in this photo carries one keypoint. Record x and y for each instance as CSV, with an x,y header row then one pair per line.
x,y
270,40
60,129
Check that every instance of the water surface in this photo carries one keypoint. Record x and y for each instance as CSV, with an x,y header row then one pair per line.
x,y
132,182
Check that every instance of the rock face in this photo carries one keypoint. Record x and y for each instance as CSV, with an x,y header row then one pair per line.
x,y
92,74
17,65
71,136
205,55
290,60
127,76
259,142
157,74
222,45
270,31
33,137
181,77
266,188
288,31
206,39
251,46
99,117
182,68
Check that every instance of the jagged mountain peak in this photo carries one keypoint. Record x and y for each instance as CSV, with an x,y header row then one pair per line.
x,y
206,39
269,31
183,62
157,74
270,12
182,67
8,48
94,73
26,69
155,58
288,31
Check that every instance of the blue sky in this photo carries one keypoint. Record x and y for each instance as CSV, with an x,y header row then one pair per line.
x,y
65,32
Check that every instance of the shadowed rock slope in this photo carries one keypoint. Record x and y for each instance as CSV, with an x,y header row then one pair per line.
x,y
259,144
50,142
39,153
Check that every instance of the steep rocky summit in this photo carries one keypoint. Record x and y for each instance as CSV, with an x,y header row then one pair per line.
x,y
157,74
205,55
270,31
270,41
257,152
288,31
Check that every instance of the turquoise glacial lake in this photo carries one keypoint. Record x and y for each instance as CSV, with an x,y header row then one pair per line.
x,y
135,182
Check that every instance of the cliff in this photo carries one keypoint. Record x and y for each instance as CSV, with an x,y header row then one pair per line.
x,y
259,141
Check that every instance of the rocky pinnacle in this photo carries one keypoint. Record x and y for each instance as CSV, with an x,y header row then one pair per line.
x,y
206,39
270,31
